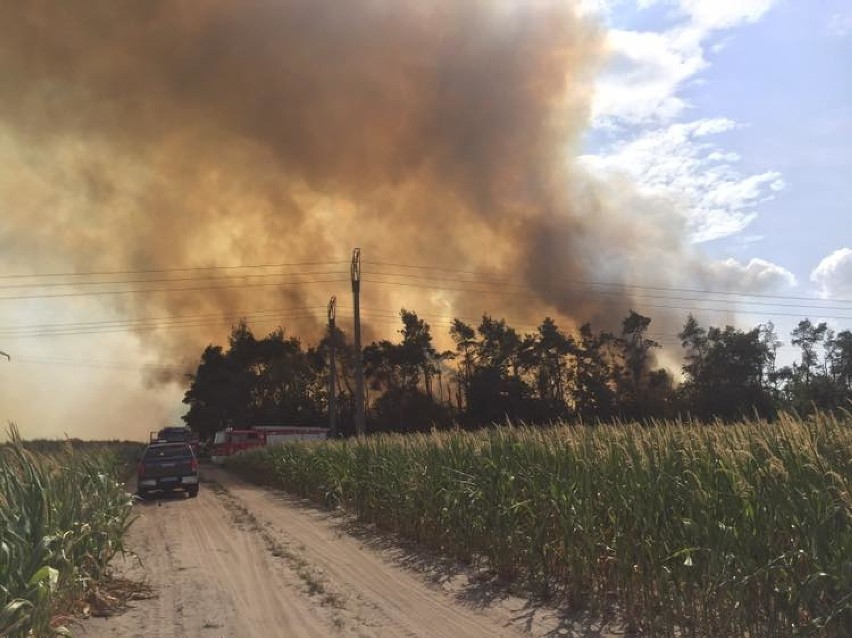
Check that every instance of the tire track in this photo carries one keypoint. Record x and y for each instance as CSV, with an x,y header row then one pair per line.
x,y
245,562
211,576
388,600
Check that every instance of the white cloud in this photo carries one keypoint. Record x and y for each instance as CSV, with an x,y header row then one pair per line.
x,y
758,275
718,14
679,164
639,99
833,275
648,68
840,25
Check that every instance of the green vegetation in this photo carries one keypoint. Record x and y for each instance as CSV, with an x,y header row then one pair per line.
x,y
62,517
497,374
683,529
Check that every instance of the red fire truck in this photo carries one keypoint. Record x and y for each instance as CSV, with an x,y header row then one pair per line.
x,y
229,442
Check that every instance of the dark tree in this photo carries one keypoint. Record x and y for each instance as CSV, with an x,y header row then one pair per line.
x,y
642,391
464,336
419,358
255,382
725,373
210,406
544,359
540,377
495,390
401,376
594,388
809,337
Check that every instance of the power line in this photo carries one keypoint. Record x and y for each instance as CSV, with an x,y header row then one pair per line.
x,y
385,316
519,288
483,278
167,280
133,329
193,321
126,327
238,314
172,270
634,302
826,305
597,283
97,293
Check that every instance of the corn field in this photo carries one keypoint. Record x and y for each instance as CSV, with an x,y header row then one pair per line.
x,y
682,529
62,518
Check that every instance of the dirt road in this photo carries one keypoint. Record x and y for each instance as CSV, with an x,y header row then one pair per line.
x,y
243,561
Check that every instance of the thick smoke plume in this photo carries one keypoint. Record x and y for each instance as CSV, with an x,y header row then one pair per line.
x,y
155,135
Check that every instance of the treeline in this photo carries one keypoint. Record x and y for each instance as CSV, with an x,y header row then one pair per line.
x,y
495,373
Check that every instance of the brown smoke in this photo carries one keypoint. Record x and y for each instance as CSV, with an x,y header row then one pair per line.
x,y
154,135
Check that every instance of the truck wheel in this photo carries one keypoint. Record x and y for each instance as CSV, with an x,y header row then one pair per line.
x,y
192,491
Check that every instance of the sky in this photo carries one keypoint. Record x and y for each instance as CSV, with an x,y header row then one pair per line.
x,y
742,112
735,118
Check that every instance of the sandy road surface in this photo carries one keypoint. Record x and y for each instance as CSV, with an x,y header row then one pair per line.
x,y
243,561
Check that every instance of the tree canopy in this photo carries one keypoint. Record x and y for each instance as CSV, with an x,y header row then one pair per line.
x,y
496,374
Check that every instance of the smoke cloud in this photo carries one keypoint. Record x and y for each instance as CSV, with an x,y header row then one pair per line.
x,y
157,135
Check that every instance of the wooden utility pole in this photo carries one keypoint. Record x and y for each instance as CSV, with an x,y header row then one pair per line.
x,y
355,271
332,375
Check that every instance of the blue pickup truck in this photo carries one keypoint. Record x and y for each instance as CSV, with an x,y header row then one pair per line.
x,y
165,467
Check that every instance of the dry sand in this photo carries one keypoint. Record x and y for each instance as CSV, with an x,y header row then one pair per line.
x,y
247,562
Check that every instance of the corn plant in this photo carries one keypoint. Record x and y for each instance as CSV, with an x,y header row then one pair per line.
x,y
691,529
62,517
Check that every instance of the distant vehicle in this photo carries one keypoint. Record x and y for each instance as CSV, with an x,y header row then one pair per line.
x,y
229,442
177,434
165,467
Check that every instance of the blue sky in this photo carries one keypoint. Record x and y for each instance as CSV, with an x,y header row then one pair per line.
x,y
741,112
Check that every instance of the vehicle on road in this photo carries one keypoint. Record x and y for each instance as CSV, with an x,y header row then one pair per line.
x,y
165,467
229,442
176,434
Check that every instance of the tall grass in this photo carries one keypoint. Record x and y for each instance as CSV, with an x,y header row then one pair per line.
x,y
690,530
62,517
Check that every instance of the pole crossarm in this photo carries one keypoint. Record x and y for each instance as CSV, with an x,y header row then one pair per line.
x,y
355,269
332,311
